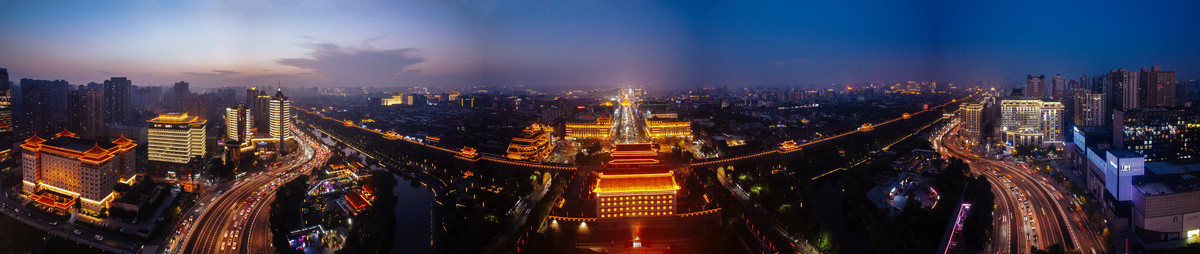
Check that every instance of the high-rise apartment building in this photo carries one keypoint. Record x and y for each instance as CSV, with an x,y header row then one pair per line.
x,y
239,126
181,92
1158,133
182,89
175,138
42,102
1086,83
6,118
117,91
239,123
1031,122
1158,87
1089,108
1058,87
85,112
260,109
1121,86
66,171
1035,86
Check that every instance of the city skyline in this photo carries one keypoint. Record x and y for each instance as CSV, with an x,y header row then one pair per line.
x,y
537,126
536,43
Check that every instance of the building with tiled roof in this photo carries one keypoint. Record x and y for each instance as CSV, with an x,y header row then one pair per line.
x,y
59,171
533,144
634,184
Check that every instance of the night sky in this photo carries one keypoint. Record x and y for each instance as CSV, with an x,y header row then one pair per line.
x,y
591,43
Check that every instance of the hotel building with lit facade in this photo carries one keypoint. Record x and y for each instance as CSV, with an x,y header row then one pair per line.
x,y
173,141
600,129
175,137
66,172
667,128
972,122
1031,122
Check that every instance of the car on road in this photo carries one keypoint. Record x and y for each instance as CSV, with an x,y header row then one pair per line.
x,y
78,232
98,238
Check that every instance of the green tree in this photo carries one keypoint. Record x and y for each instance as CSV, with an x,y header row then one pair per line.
x,y
826,241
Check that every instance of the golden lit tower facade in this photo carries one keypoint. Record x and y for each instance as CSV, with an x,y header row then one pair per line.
x,y
972,121
281,114
239,124
635,184
62,170
175,138
239,132
533,144
600,129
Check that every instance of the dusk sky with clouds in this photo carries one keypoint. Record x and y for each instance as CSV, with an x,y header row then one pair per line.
x,y
590,43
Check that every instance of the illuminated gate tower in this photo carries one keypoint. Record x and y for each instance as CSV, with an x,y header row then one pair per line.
x,y
635,184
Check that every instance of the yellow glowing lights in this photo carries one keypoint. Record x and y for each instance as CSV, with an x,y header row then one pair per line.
x,y
636,183
533,144
601,129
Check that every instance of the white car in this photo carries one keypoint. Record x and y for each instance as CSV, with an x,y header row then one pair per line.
x,y
99,238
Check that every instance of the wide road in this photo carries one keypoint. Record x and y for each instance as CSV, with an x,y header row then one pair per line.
x,y
256,236
222,228
1031,212
628,126
1011,234
1032,224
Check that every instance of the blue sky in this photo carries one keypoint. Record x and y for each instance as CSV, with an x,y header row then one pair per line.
x,y
591,43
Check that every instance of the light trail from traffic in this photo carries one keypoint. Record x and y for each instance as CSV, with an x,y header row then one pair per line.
x,y
1033,214
222,227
